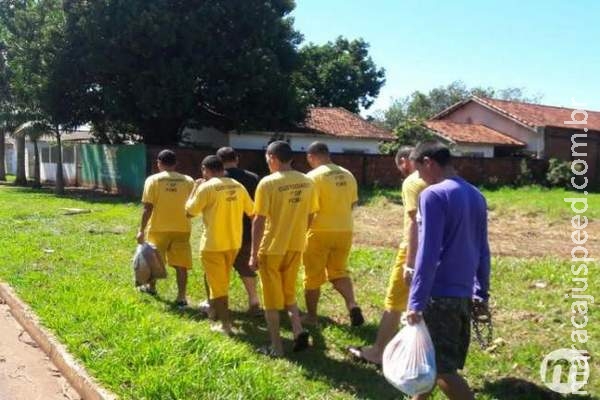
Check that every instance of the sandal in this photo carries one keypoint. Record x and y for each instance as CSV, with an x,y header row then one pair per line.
x,y
356,317
356,353
148,290
255,311
301,341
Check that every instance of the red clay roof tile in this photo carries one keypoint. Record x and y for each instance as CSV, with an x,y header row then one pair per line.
x,y
337,121
471,133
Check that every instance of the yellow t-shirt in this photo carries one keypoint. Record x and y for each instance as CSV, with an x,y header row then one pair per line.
x,y
168,192
222,203
412,186
286,199
336,192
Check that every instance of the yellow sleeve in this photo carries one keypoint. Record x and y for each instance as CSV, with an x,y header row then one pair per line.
x,y
410,195
248,204
198,202
149,195
261,200
314,201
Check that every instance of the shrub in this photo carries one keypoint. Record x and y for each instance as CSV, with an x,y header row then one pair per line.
x,y
559,173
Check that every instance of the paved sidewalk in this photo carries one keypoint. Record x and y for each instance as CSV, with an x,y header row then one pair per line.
x,y
26,373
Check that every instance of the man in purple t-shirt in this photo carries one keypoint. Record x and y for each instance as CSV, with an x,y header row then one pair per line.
x,y
452,267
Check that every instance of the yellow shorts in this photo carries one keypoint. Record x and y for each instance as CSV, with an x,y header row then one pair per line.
x,y
217,267
174,246
397,292
326,257
278,276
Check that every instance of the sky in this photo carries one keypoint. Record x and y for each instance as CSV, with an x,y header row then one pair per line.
x,y
549,48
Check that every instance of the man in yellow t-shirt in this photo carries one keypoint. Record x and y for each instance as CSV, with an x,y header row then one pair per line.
x,y
285,202
164,222
222,202
330,236
399,284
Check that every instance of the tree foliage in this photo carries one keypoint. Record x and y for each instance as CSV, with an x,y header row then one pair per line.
x,y
155,64
340,74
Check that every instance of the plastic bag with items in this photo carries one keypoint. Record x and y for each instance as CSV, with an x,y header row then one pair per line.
x,y
409,360
147,264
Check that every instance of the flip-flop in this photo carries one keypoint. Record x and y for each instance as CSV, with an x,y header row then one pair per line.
x,y
301,341
356,353
356,317
147,290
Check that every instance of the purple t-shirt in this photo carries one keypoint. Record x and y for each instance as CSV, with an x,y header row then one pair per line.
x,y
453,258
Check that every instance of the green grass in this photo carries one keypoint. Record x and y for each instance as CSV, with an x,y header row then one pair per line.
x,y
531,200
75,273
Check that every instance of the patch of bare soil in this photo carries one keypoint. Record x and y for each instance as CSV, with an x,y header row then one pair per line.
x,y
26,373
525,235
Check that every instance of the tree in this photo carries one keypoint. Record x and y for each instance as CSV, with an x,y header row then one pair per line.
x,y
34,130
338,74
44,90
155,64
406,115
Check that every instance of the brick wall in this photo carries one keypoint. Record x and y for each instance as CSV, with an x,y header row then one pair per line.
x,y
368,169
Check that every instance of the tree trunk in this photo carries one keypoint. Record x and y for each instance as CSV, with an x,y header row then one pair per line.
x,y
2,155
21,179
36,169
60,183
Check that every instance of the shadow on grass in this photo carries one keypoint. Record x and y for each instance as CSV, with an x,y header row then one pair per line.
x,y
362,380
519,389
86,195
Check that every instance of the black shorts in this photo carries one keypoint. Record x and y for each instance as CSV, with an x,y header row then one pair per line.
x,y
241,261
449,322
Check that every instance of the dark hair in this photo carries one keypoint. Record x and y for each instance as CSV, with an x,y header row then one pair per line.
x,y
318,148
167,157
280,150
227,154
212,163
433,150
404,152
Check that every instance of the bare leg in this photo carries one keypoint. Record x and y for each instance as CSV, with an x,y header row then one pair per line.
x,y
182,275
387,329
455,387
344,287
272,317
221,308
294,315
312,300
250,285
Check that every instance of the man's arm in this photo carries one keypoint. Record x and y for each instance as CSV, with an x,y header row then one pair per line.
x,y
428,254
411,251
258,230
140,237
482,277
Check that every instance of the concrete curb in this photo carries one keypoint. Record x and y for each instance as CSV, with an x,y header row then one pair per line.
x,y
75,374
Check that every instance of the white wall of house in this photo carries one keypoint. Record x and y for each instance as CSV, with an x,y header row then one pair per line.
x,y
474,113
207,137
336,145
485,151
211,137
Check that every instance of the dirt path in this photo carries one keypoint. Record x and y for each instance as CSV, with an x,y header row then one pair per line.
x,y
25,371
512,234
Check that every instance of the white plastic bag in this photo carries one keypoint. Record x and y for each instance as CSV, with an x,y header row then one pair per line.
x,y
409,360
147,264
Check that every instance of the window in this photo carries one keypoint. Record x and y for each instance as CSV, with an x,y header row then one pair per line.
x,y
49,154
45,154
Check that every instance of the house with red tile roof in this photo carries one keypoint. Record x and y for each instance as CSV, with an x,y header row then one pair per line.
x,y
342,130
494,128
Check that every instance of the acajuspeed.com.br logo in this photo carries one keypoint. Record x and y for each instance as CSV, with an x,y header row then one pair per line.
x,y
565,371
